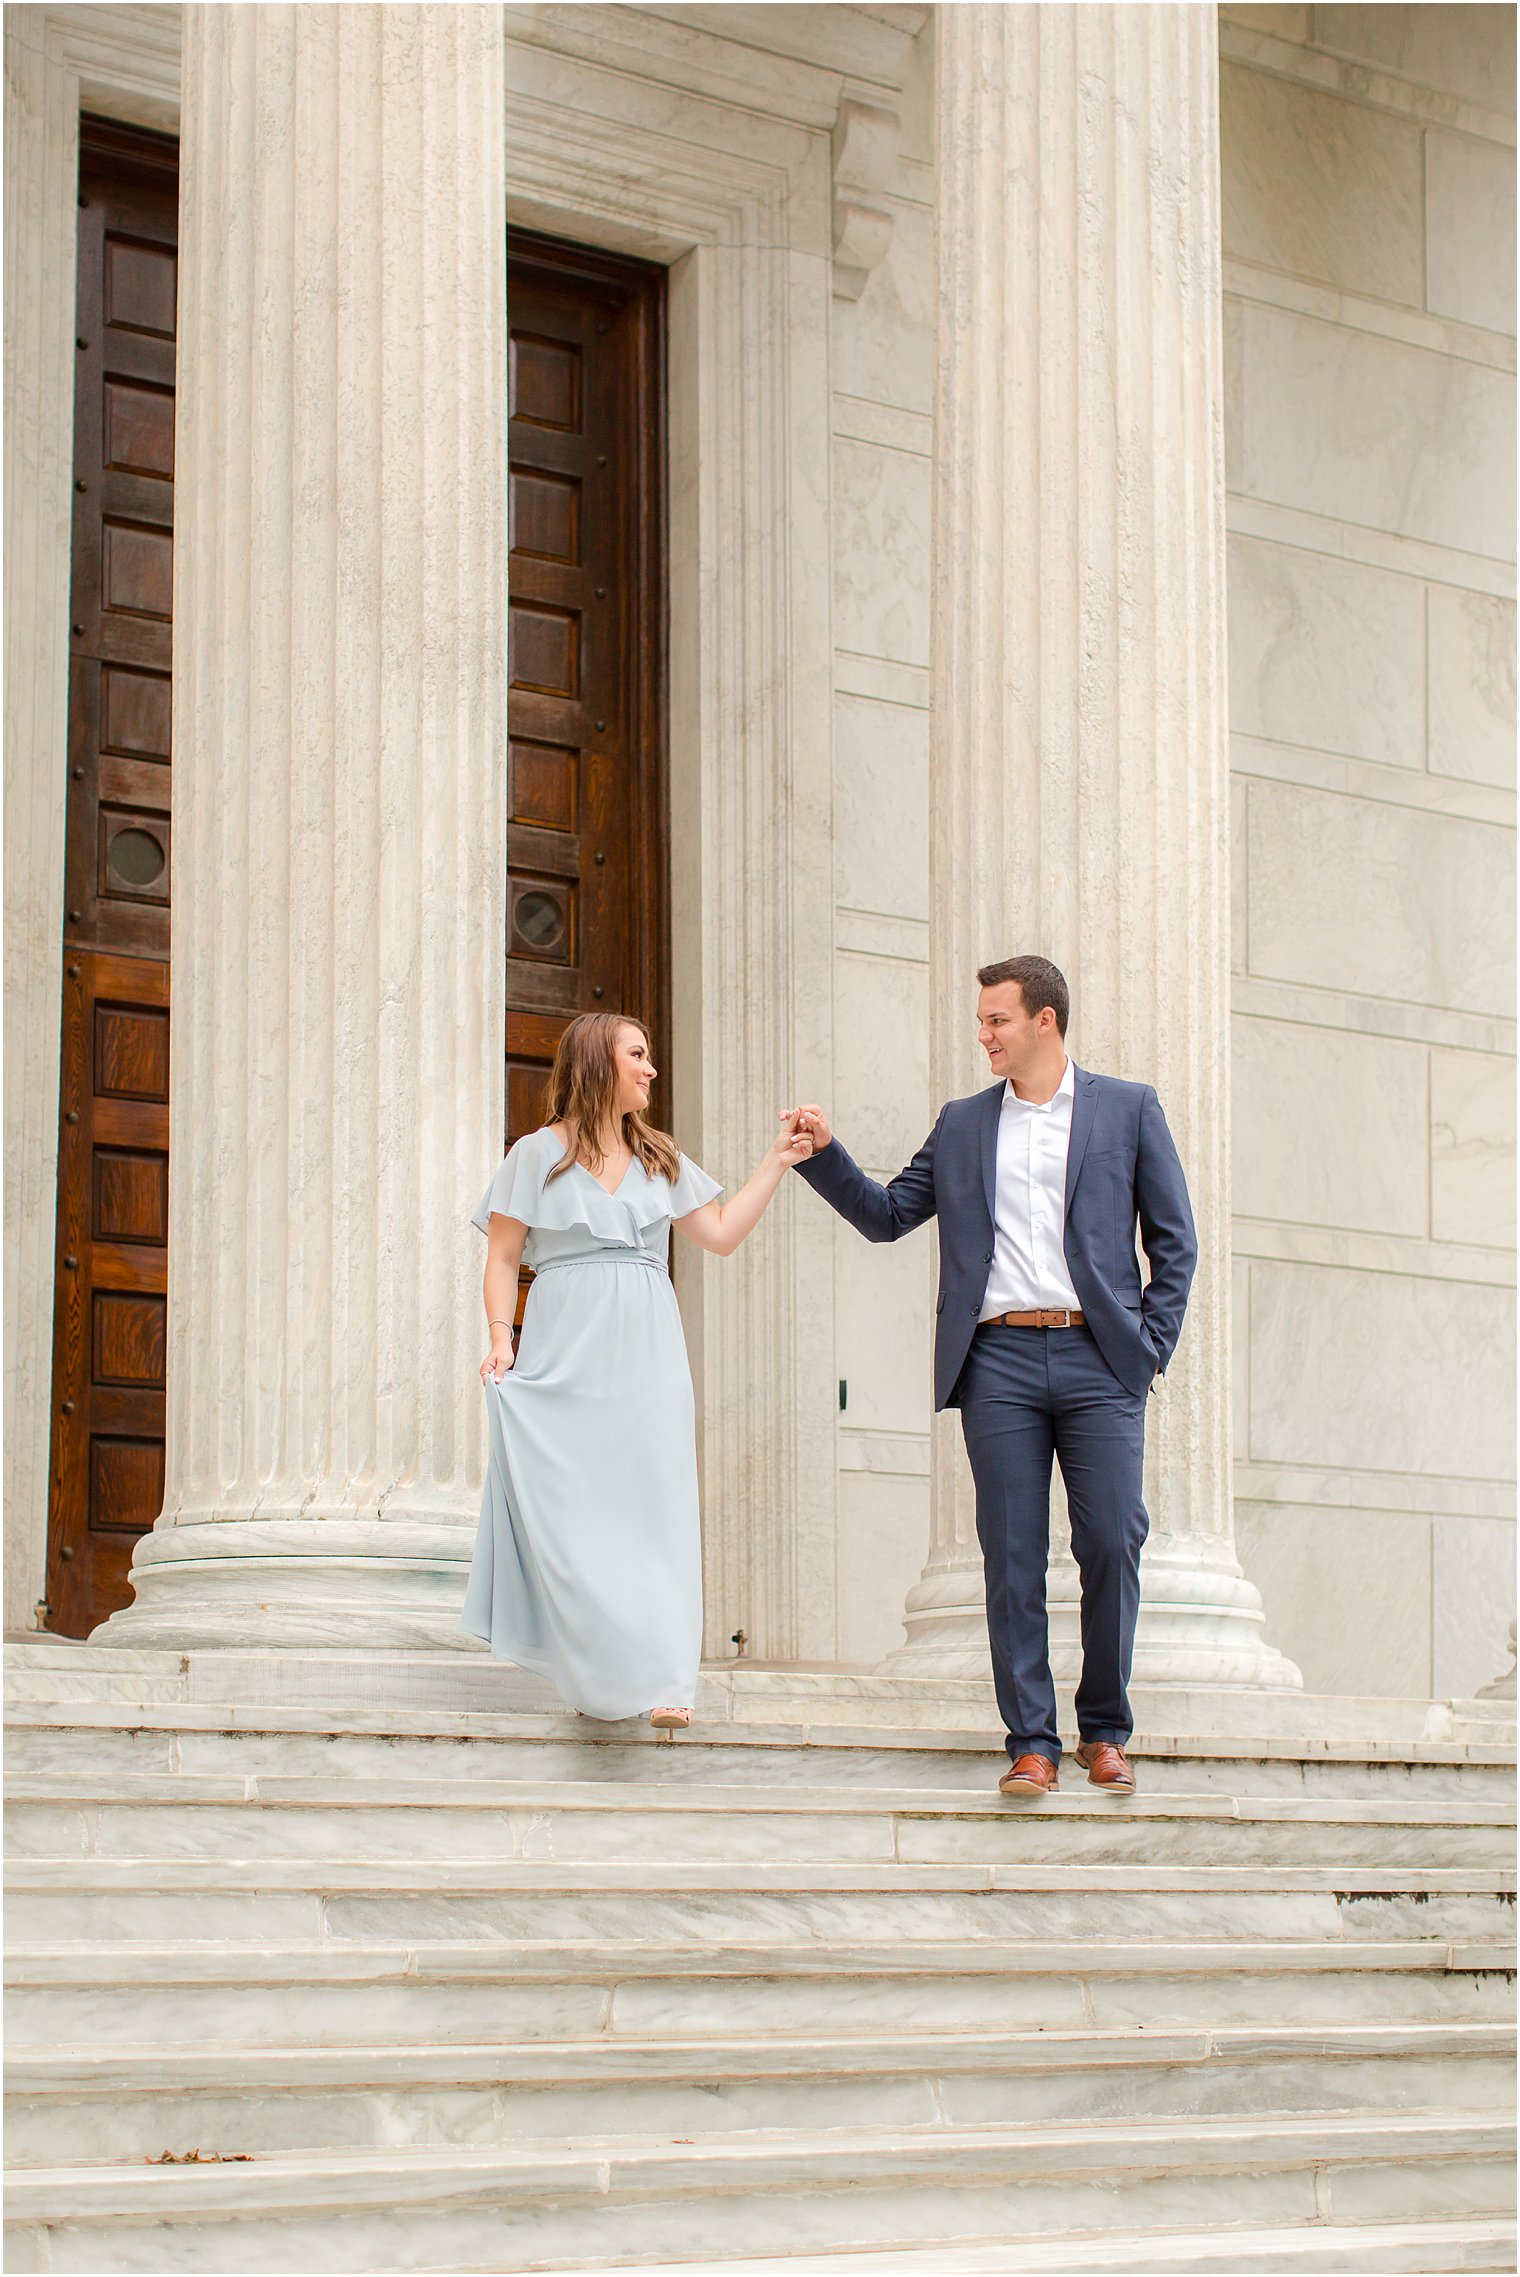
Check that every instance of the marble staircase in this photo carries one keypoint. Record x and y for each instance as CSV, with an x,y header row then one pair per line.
x,y
449,1985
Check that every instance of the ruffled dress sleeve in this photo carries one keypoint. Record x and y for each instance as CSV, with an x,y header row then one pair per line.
x,y
517,1190
691,1188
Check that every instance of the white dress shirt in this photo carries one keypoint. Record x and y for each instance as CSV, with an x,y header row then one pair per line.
x,y
1029,1272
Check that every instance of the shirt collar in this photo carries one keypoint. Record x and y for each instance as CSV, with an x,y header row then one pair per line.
x,y
1065,1089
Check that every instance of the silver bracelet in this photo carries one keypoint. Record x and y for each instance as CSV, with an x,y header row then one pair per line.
x,y
498,1324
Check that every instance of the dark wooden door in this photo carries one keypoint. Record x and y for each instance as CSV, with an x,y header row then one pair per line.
x,y
586,829
107,1470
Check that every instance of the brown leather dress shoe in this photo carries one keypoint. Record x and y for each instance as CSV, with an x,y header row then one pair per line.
x,y
1029,1775
1106,1766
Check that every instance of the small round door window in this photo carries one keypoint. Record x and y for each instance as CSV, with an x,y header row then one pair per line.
x,y
136,858
540,919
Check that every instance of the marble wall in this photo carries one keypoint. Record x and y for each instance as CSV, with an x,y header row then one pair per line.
x,y
1369,215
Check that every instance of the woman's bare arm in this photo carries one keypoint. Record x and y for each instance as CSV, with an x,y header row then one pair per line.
x,y
504,1248
719,1227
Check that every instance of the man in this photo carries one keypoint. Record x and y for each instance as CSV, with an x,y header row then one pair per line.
x,y
1045,1339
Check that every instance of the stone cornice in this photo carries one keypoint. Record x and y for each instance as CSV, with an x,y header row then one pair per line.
x,y
787,63
1361,83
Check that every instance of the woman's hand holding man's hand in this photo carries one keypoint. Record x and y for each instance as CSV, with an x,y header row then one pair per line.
x,y
792,1144
805,1132
815,1122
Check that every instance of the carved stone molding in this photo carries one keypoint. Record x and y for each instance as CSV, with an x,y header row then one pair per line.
x,y
864,147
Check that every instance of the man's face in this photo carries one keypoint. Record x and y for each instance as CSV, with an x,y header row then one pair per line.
x,y
1007,1034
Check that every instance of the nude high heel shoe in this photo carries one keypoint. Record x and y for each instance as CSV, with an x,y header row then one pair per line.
x,y
668,1721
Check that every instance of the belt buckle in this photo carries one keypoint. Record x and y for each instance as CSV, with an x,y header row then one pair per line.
x,y
1050,1319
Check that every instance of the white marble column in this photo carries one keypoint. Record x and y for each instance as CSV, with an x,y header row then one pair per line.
x,y
1079,785
339,819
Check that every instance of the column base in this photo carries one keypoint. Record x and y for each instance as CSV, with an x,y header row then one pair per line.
x,y
392,1583
1201,1623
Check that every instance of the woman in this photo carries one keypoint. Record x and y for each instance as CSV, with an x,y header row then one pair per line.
x,y
588,1560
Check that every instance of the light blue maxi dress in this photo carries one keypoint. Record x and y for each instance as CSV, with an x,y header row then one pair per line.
x,y
588,1564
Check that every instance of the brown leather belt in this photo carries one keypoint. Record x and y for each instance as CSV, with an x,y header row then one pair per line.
x,y
1035,1320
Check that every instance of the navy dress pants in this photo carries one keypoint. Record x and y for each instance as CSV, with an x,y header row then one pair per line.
x,y
1025,1395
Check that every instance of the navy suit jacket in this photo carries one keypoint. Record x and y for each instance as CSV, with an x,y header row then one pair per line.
x,y
1121,1167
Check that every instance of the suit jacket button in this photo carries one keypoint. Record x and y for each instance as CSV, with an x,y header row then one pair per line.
x,y
975,1309
986,1256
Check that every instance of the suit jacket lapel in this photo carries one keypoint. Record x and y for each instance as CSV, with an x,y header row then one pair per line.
x,y
992,1109
1084,1107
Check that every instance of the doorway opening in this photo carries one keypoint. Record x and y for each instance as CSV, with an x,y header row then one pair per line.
x,y
106,1468
587,824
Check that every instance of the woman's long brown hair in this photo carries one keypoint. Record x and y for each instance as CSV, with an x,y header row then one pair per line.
x,y
583,1092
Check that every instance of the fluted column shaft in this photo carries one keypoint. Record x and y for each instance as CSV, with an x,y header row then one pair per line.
x,y
1079,777
339,818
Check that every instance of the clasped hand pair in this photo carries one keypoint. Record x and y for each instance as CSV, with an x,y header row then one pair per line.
x,y
810,1123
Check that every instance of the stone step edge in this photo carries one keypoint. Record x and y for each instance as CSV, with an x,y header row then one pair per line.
x,y
599,2167
728,1676
1375,2249
837,1720
583,1960
83,1874
1483,2243
28,1648
399,1723
354,2067
145,1791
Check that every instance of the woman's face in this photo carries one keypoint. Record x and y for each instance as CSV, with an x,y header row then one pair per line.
x,y
635,1070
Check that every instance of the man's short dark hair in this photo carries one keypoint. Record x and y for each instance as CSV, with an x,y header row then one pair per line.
x,y
1040,983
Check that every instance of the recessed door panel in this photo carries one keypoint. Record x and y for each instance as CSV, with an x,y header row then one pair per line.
x,y
586,830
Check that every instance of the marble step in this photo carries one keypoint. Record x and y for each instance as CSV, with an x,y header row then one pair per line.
x,y
278,1901
1361,2249
123,2102
606,2205
65,1670
148,1816
320,1742
467,1680
315,1994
